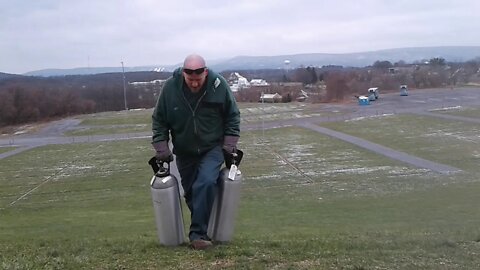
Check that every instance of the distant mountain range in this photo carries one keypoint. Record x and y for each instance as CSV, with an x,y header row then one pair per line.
x,y
360,59
90,70
8,75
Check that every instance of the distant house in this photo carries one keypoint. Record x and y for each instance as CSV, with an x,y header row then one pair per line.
x,y
270,98
243,83
302,96
234,87
150,83
259,82
237,82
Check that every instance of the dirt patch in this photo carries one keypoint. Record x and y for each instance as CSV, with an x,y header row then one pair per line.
x,y
22,129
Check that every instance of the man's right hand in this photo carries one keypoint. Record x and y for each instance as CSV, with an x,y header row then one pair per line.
x,y
163,153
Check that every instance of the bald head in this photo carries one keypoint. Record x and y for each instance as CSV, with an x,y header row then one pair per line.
x,y
194,72
194,61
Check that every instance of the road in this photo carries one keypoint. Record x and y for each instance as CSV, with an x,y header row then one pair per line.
x,y
421,102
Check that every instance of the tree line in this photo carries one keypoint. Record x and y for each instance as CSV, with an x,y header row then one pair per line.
x,y
335,83
30,99
433,73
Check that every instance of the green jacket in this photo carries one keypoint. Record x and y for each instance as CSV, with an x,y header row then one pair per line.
x,y
195,130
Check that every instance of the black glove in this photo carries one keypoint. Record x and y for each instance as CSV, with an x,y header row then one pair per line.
x,y
231,158
230,143
163,153
153,163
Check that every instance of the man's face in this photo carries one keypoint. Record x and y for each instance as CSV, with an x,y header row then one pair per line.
x,y
195,78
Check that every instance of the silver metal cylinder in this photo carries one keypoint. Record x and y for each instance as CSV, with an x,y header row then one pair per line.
x,y
224,211
168,210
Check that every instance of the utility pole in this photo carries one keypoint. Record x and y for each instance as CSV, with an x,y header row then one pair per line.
x,y
263,117
124,88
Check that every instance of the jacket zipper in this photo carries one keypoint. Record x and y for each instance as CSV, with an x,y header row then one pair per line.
x,y
193,113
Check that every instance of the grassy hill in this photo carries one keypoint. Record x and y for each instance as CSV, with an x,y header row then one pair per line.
x,y
308,201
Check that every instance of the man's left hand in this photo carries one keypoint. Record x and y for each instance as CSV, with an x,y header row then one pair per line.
x,y
230,143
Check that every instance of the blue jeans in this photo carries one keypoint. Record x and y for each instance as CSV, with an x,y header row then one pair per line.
x,y
199,177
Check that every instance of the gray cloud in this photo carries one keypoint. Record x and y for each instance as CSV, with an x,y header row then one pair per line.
x,y
64,34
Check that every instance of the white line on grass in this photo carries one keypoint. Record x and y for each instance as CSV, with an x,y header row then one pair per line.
x,y
49,178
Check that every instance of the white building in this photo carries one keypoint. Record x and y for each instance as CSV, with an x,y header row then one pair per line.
x,y
237,82
270,98
154,83
302,96
258,82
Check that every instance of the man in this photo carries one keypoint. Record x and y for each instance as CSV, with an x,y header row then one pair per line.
x,y
197,108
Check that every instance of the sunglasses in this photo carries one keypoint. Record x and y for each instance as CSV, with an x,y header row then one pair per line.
x,y
197,71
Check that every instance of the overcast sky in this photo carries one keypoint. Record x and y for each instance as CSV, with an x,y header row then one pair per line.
x,y
40,34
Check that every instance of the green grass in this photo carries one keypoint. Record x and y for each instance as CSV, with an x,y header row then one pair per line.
x,y
6,149
104,130
308,202
113,123
449,142
140,121
118,118
258,112
466,112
